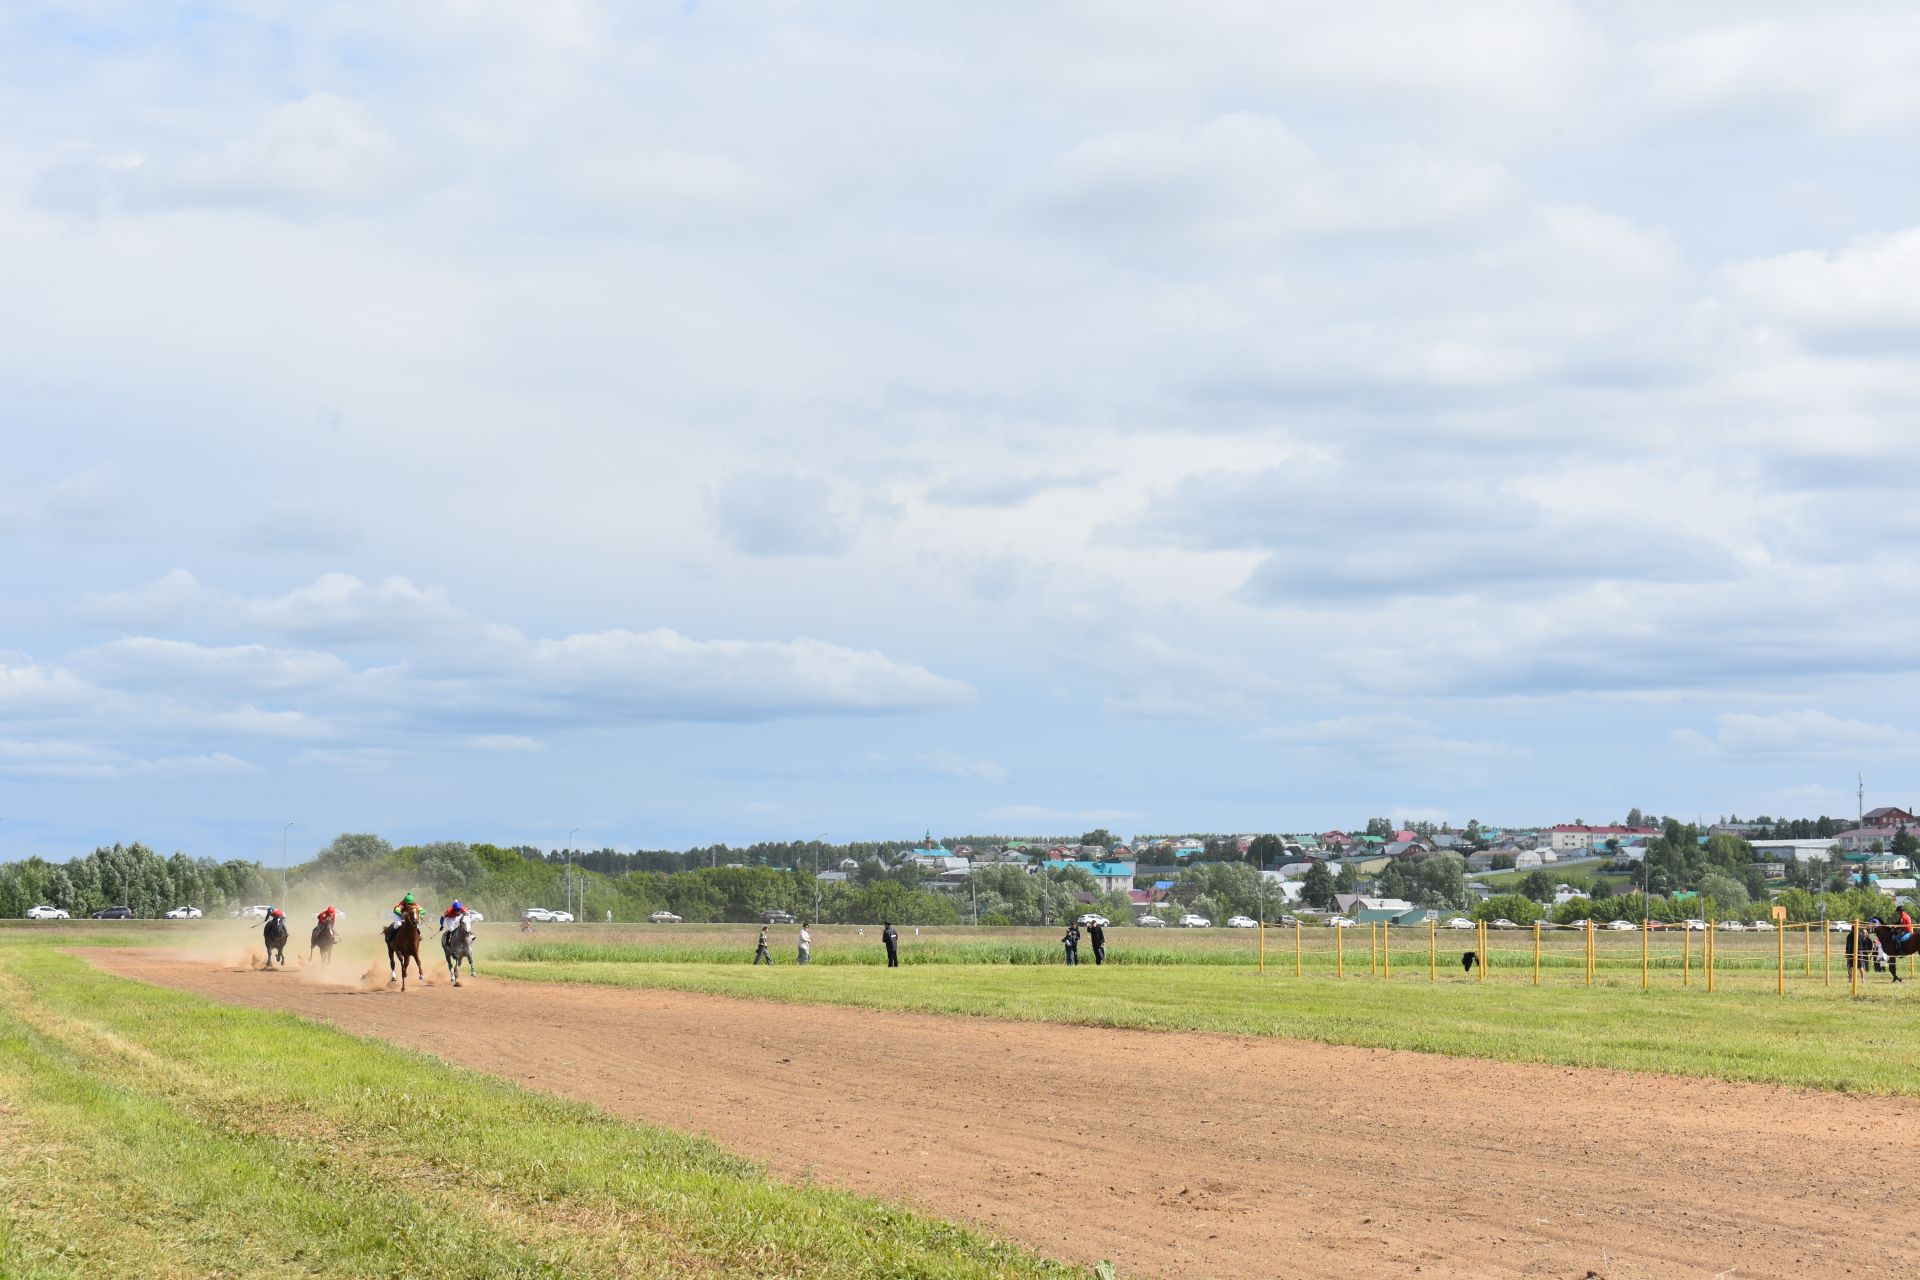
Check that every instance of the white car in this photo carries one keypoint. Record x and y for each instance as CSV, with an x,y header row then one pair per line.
x,y
1623,925
563,917
1761,926
1696,926
1732,926
1091,919
1242,922
1339,922
1504,923
258,911
1459,922
45,912
184,913
1151,922
1192,921
538,915
1841,926
663,917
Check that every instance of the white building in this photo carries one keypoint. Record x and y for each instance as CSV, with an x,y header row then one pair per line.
x,y
1793,850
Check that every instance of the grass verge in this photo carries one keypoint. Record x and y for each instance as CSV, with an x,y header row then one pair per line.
x,y
1812,1037
149,1133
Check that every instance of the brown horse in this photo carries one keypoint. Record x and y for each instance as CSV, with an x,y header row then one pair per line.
x,y
1894,947
322,940
403,945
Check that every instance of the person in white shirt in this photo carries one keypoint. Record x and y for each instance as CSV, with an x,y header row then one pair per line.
x,y
806,945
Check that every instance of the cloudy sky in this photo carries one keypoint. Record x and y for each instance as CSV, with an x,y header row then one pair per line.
x,y
706,421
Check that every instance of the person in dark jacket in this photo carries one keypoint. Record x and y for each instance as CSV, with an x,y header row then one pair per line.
x,y
891,937
760,953
1072,944
1097,935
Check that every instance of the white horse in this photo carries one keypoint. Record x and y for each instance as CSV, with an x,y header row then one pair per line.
x,y
457,941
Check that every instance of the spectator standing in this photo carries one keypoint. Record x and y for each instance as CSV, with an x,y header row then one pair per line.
x,y
1072,944
761,955
1097,935
806,946
891,937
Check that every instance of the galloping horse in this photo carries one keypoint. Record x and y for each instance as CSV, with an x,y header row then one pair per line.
x,y
403,944
322,940
1896,948
275,936
457,941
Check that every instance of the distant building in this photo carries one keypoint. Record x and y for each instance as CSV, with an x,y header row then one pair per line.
x,y
1569,836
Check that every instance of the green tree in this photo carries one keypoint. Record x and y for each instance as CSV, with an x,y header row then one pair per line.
x,y
1537,885
1100,836
1347,880
1729,895
1317,889
1905,845
1508,906
1443,880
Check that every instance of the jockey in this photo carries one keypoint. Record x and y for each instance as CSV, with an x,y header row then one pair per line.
x,y
275,913
327,916
1905,926
451,914
400,908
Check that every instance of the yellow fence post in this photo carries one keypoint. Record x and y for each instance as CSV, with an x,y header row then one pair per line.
x,y
1780,959
1646,932
1296,946
1433,950
1536,953
1486,951
1710,944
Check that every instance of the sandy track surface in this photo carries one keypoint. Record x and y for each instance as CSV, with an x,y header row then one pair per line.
x,y
1180,1154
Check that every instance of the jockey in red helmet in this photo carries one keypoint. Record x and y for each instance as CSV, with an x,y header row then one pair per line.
x,y
275,913
327,915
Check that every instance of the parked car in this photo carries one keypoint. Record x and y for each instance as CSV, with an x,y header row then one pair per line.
x,y
1696,926
1732,926
258,910
1761,926
114,913
1151,922
1091,918
184,913
667,917
1192,921
45,912
563,917
1286,922
1459,922
1339,922
538,915
1504,923
776,916
1841,926
1625,925
1242,922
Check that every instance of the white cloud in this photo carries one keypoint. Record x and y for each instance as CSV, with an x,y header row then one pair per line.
x,y
318,153
767,513
1389,741
1803,734
955,765
1043,813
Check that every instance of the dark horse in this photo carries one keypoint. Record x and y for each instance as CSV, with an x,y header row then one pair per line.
x,y
275,936
457,941
1894,947
322,940
1862,954
403,945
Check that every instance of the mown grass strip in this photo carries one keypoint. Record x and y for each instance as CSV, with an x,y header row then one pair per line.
x,y
1812,1038
150,1133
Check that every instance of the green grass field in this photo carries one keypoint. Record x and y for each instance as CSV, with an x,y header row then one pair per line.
x,y
149,1133
1815,1036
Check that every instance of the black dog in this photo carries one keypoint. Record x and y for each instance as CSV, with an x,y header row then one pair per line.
x,y
1468,959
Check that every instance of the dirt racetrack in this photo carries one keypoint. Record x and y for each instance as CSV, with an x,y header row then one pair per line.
x,y
1189,1155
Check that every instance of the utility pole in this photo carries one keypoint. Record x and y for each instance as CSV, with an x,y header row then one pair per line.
x,y
572,872
816,876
